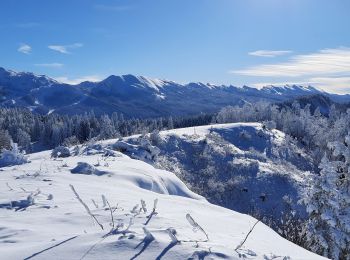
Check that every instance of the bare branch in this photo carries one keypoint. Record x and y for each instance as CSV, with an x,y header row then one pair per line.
x,y
246,237
85,206
196,226
110,209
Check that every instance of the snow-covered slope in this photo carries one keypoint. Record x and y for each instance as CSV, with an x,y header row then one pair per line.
x,y
134,96
47,221
241,166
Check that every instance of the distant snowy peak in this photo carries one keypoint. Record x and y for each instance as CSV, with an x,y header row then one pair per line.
x,y
136,81
13,75
286,89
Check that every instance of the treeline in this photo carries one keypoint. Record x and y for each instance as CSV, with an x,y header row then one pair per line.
x,y
28,129
312,129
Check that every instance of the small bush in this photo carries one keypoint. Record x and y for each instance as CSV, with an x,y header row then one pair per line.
x,y
12,157
60,152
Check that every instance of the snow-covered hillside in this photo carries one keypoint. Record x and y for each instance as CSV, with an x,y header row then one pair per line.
x,y
242,166
42,218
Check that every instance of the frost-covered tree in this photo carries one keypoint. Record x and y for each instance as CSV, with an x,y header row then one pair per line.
x,y
12,156
84,130
107,130
170,123
53,129
5,140
328,203
23,140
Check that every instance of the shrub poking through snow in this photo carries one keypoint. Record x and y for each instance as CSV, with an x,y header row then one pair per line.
x,y
12,157
153,213
104,201
172,234
143,205
135,210
19,204
85,168
60,152
144,152
94,202
127,230
196,226
246,237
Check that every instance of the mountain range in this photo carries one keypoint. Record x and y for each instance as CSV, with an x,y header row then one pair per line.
x,y
138,96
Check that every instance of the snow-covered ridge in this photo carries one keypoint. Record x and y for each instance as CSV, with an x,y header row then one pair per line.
x,y
41,217
136,96
282,89
239,166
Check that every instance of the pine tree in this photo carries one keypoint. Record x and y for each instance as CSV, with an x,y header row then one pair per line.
x,y
107,130
84,131
328,204
23,140
5,140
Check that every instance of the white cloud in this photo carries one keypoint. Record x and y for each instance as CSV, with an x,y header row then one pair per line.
x,y
25,48
325,62
268,53
74,81
339,85
65,48
50,65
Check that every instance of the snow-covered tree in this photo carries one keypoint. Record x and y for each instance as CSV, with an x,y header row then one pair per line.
x,y
84,130
5,140
107,130
328,203
23,140
12,156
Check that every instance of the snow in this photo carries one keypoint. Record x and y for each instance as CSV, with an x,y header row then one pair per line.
x,y
202,131
51,111
50,223
155,84
233,164
12,157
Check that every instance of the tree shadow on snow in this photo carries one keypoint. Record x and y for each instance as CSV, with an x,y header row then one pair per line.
x,y
165,250
146,242
44,250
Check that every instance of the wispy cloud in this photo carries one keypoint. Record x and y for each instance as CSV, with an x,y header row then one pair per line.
x,y
104,7
324,62
65,49
50,65
268,53
74,81
328,69
339,85
25,48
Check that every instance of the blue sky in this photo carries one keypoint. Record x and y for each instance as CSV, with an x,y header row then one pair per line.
x,y
239,42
